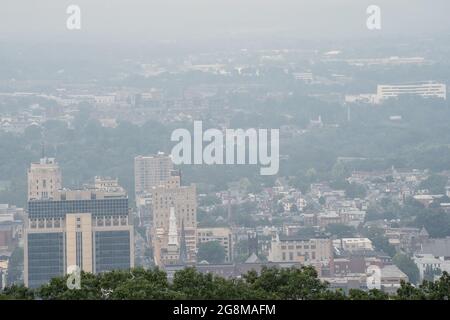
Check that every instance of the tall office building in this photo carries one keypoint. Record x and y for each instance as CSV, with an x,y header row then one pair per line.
x,y
90,229
151,171
44,179
182,200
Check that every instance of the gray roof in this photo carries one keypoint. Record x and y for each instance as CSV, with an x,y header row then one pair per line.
x,y
300,238
392,271
437,247
253,258
424,232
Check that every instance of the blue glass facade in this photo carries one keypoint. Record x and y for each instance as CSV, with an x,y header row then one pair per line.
x,y
46,250
58,209
112,250
45,257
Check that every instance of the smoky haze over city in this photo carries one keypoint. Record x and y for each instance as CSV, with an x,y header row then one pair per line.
x,y
179,20
224,151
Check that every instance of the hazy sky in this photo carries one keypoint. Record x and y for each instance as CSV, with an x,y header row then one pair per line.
x,y
25,20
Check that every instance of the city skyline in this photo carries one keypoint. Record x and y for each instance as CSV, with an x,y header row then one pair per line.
x,y
238,151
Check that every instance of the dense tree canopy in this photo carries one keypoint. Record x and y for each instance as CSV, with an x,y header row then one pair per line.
x,y
340,230
270,283
435,184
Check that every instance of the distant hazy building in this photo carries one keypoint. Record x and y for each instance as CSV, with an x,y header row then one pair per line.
x,y
314,251
183,200
108,122
7,233
151,171
144,209
11,227
4,261
395,60
105,100
107,184
353,244
352,216
306,77
428,262
221,235
85,228
384,92
425,89
10,213
437,247
329,218
391,278
44,179
362,98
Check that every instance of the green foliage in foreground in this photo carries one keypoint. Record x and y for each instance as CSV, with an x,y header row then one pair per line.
x,y
271,283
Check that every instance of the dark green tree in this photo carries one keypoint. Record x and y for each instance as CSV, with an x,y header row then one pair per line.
x,y
376,235
407,265
17,292
15,266
211,251
306,232
322,200
436,222
340,230
437,290
288,284
373,294
409,292
434,183
57,289
355,190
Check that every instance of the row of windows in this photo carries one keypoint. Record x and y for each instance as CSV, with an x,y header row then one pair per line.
x,y
112,250
46,257
312,247
60,208
306,255
59,222
224,240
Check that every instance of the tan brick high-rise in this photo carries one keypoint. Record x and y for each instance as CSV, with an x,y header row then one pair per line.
x,y
184,200
151,171
44,179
